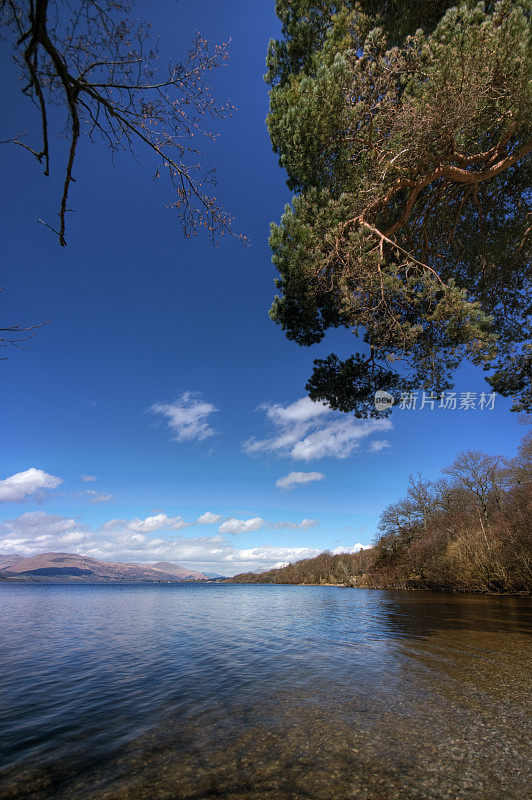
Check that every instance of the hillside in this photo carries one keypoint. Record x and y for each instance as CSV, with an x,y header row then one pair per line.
x,y
6,560
179,572
469,532
348,569
48,566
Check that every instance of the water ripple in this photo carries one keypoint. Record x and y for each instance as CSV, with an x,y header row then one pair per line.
x,y
260,691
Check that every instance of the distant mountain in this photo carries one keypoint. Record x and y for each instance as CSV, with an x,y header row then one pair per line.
x,y
66,566
179,572
6,560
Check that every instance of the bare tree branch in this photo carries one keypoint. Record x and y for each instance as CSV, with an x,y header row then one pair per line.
x,y
12,334
100,66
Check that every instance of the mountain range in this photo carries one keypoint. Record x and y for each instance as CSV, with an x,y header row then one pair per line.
x,y
66,566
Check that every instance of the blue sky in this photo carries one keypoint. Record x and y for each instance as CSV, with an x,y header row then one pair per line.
x,y
160,374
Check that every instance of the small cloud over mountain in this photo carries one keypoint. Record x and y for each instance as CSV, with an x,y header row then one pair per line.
x,y
156,523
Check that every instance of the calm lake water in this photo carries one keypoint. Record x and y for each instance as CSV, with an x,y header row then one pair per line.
x,y
279,692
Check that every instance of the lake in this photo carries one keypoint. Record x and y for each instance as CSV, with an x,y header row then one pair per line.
x,y
257,691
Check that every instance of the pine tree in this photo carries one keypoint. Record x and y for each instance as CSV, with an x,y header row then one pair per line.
x,y
404,128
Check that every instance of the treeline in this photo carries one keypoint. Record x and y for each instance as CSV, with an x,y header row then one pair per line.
x,y
471,530
347,569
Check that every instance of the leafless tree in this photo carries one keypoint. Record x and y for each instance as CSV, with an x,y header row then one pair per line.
x,y
98,64
480,474
423,498
519,469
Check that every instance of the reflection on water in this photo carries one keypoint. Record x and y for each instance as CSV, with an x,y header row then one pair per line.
x,y
241,691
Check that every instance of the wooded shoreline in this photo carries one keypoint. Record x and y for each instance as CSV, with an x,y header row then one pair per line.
x,y
478,592
470,531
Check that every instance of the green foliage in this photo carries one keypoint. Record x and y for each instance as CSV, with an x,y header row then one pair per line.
x,y
404,129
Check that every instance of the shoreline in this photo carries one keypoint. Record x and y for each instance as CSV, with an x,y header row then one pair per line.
x,y
217,581
522,593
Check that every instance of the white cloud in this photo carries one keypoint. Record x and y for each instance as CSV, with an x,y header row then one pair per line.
x,y
208,518
302,410
378,445
112,524
73,538
187,418
276,554
298,478
304,525
89,478
305,430
23,484
234,525
38,532
97,497
350,548
156,523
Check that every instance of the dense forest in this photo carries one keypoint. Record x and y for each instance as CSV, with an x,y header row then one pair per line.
x,y
468,531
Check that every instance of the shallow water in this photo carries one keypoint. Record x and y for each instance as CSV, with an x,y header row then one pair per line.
x,y
254,691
